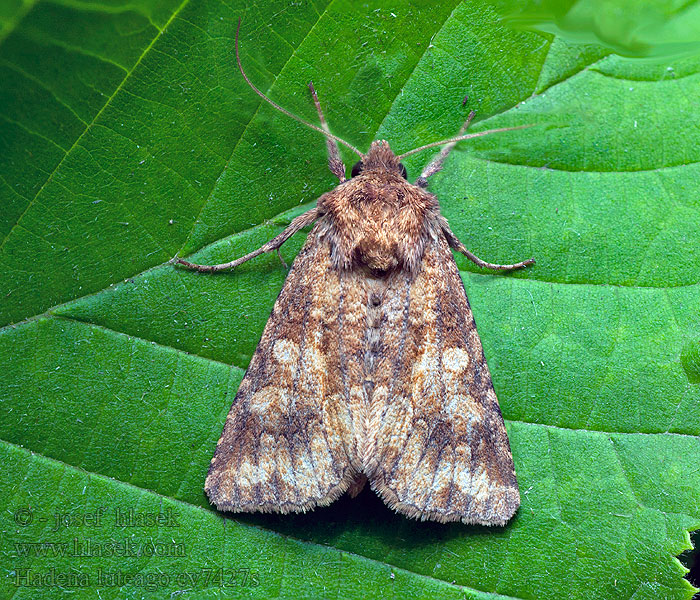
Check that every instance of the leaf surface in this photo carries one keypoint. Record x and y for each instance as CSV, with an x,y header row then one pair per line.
x,y
129,136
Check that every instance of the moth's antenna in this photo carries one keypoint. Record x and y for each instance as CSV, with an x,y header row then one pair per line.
x,y
286,112
459,138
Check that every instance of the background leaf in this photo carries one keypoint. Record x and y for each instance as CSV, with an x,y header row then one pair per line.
x,y
128,136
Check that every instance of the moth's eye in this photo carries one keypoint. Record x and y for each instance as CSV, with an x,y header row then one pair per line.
x,y
356,169
403,171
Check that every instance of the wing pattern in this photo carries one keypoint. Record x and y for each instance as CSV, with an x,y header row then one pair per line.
x,y
288,440
439,448
359,374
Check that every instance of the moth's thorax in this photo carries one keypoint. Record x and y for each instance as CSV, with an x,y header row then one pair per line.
x,y
378,219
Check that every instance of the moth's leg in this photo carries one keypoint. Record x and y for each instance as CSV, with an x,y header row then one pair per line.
x,y
298,223
334,163
454,242
436,164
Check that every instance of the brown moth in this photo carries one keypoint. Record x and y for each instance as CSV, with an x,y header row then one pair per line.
x,y
370,367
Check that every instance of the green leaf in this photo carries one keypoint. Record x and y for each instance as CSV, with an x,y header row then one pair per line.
x,y
659,29
128,136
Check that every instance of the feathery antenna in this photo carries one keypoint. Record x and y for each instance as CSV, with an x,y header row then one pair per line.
x,y
286,112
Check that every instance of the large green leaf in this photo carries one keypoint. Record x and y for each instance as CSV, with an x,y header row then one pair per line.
x,y
127,136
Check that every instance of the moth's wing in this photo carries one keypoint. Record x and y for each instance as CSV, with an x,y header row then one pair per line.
x,y
440,449
286,442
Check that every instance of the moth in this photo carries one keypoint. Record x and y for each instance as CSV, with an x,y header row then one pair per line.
x,y
370,368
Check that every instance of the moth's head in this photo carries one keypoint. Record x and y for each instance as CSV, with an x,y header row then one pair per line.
x,y
379,158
